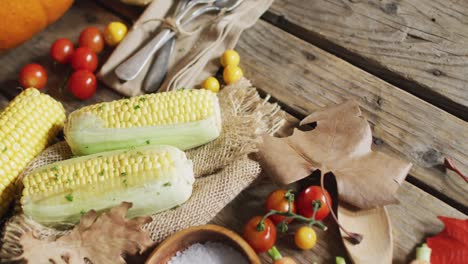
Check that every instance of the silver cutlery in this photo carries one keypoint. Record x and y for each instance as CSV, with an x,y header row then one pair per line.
x,y
130,68
160,65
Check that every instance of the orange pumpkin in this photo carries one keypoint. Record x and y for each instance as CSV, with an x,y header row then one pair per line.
x,y
21,19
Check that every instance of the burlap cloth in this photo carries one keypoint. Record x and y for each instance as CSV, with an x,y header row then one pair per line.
x,y
222,169
196,55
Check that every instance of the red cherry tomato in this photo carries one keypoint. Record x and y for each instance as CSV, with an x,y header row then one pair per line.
x,y
84,59
305,199
260,241
33,75
82,84
92,38
62,50
277,201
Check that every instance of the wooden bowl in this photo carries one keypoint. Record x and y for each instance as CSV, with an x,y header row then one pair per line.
x,y
200,234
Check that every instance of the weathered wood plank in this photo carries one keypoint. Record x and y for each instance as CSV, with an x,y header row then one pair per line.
x,y
304,77
81,15
416,213
412,221
416,44
127,12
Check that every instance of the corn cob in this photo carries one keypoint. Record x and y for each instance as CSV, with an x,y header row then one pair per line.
x,y
184,119
153,178
27,125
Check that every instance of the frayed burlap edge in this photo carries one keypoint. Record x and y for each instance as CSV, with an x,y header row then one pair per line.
x,y
222,168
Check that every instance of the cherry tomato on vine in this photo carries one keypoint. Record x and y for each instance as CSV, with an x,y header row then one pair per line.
x,y
84,59
92,38
260,241
33,75
82,84
305,199
277,201
305,237
62,50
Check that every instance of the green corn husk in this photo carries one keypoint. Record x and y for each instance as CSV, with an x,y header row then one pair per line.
x,y
153,178
184,119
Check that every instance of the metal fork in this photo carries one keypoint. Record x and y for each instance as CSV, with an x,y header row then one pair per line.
x,y
158,70
130,68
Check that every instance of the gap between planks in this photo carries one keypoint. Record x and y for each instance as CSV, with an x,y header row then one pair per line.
x,y
304,78
368,64
297,108
436,81
294,114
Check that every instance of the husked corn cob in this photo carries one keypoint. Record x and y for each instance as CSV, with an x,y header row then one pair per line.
x,y
184,119
153,178
27,125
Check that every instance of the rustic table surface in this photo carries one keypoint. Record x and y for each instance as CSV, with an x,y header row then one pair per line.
x,y
405,61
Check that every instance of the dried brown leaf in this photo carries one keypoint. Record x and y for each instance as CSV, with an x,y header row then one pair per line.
x,y
340,143
100,239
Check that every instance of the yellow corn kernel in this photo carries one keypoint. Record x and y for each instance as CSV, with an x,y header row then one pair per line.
x,y
59,191
86,171
28,124
184,119
160,107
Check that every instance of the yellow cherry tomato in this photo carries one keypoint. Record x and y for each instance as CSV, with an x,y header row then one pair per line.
x,y
232,74
230,57
211,83
305,237
114,33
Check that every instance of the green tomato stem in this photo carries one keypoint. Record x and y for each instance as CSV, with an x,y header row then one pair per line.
x,y
310,221
316,206
340,260
274,254
423,253
290,215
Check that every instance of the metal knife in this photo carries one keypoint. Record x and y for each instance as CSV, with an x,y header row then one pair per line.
x,y
158,69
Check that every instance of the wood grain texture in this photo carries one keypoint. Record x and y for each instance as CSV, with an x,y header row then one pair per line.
x,y
306,78
200,234
36,50
303,78
412,221
418,45
125,11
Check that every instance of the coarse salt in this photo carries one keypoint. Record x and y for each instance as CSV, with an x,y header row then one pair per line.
x,y
208,253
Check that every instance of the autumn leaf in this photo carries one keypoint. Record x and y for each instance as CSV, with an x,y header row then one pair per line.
x,y
450,245
340,143
100,239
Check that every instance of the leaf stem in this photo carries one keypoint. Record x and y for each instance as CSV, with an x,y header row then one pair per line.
x,y
354,238
448,163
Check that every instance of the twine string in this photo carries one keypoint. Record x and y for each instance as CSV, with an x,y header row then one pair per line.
x,y
174,25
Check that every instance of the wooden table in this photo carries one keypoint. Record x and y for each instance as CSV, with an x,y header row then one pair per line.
x,y
406,62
